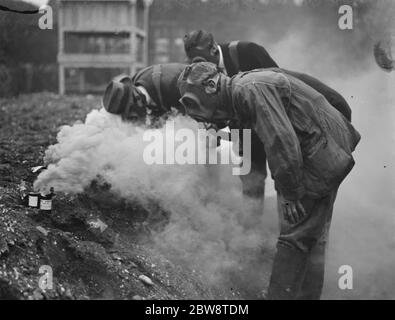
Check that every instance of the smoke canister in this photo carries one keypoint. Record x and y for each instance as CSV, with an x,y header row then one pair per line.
x,y
33,200
46,202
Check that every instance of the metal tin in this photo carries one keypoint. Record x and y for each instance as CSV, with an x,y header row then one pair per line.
x,y
46,202
33,200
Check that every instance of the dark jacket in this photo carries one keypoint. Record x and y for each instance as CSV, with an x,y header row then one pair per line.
x,y
333,97
250,56
169,94
308,143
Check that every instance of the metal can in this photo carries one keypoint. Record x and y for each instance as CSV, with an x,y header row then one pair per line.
x,y
33,200
46,202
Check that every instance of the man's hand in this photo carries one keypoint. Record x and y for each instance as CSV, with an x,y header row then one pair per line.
x,y
293,211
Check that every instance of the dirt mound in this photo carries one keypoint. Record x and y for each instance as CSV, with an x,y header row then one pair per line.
x,y
99,247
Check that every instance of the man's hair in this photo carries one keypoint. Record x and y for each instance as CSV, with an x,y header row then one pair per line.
x,y
197,39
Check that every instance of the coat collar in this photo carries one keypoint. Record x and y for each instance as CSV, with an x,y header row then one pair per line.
x,y
221,64
227,60
227,96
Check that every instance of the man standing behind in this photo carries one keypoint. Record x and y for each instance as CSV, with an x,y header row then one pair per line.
x,y
309,147
239,56
231,57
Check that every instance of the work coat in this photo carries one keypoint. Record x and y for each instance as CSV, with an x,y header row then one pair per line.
x,y
308,143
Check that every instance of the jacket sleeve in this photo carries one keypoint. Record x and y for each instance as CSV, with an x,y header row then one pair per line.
x,y
257,56
273,127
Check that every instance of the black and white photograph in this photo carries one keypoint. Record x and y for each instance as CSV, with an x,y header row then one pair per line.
x,y
218,152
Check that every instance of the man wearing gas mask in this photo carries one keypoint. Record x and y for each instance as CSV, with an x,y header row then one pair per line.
x,y
231,58
309,147
238,56
152,90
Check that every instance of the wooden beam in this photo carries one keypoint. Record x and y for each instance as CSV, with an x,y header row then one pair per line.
x,y
133,40
96,65
99,28
96,58
81,81
61,50
146,28
62,88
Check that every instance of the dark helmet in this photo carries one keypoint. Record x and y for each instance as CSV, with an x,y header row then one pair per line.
x,y
200,43
123,98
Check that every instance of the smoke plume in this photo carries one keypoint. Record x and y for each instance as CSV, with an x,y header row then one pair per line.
x,y
211,228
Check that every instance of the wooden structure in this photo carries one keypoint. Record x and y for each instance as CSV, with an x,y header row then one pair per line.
x,y
99,39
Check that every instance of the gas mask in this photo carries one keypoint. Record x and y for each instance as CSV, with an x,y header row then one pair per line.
x,y
201,96
202,47
123,98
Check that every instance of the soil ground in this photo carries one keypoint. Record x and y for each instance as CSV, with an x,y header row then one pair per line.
x,y
87,263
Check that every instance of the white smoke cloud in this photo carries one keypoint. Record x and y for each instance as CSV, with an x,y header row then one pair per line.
x,y
363,230
210,228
